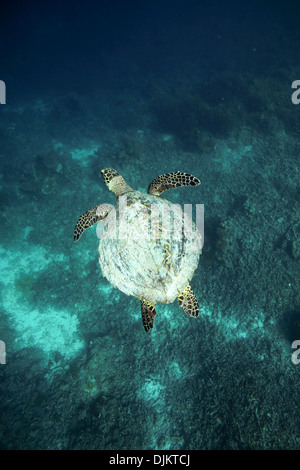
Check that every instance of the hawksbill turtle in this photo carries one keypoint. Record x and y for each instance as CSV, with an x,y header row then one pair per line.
x,y
149,248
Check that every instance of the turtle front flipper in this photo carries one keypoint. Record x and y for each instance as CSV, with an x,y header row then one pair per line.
x,y
148,314
171,180
89,218
187,300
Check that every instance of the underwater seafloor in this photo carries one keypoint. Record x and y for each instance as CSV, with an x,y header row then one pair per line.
x,y
80,372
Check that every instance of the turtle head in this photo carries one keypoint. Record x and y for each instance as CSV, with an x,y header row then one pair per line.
x,y
115,182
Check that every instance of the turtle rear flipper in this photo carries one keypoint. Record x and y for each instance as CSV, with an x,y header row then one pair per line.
x,y
171,180
148,314
89,218
187,300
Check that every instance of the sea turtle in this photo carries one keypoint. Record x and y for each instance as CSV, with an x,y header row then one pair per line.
x,y
149,248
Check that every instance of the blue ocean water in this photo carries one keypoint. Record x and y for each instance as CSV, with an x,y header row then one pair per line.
x,y
149,88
